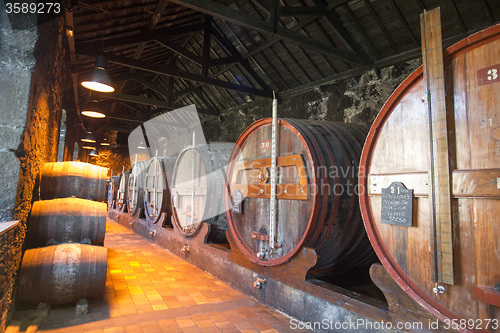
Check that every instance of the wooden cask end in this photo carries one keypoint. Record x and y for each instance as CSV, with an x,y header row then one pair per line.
x,y
73,179
135,191
122,192
113,184
201,199
67,220
397,150
317,205
63,273
157,190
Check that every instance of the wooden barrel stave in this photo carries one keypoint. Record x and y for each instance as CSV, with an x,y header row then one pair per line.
x,y
62,273
211,163
67,220
396,151
321,220
160,185
137,177
78,179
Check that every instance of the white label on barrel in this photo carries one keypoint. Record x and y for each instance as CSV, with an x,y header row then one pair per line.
x,y
267,144
488,75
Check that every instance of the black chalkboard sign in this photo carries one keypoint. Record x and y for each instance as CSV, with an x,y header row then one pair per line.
x,y
237,202
397,205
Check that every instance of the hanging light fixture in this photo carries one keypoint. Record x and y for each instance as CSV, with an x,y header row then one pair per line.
x,y
93,109
94,152
88,137
89,145
141,145
104,142
98,79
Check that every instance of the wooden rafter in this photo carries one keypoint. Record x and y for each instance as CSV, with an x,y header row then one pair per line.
x,y
223,12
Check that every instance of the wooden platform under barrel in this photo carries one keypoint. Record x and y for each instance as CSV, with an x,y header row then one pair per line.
x,y
198,186
397,150
317,204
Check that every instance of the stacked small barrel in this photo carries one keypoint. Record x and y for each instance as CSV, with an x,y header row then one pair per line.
x,y
63,264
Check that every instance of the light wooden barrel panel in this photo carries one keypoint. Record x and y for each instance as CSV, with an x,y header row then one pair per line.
x,y
78,179
397,149
210,164
156,189
67,220
136,181
316,200
63,273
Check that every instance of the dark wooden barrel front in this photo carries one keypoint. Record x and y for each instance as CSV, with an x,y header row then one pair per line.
x,y
122,192
156,188
205,191
317,204
63,273
397,150
67,220
113,184
136,181
73,179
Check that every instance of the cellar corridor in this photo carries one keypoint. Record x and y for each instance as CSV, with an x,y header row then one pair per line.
x,y
148,289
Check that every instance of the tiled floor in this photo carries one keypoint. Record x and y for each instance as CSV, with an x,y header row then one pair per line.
x,y
150,290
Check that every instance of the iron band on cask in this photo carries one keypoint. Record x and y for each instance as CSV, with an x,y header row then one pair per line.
x,y
317,204
201,199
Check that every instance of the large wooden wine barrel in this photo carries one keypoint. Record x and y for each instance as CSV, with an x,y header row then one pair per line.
x,y
122,192
317,205
63,273
67,220
136,181
156,190
113,184
397,151
73,179
198,186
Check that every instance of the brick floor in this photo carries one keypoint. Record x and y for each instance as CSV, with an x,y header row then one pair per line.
x,y
149,290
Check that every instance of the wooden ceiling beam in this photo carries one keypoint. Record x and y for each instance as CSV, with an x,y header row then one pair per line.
x,y
173,71
178,49
225,13
300,11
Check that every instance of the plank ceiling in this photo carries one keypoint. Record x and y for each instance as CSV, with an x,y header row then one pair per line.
x,y
221,54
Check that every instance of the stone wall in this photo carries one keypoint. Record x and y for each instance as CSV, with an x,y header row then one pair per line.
x,y
30,113
357,100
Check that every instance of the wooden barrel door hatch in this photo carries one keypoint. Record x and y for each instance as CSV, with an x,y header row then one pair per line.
x,y
397,151
113,184
317,205
198,185
122,192
135,191
156,189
